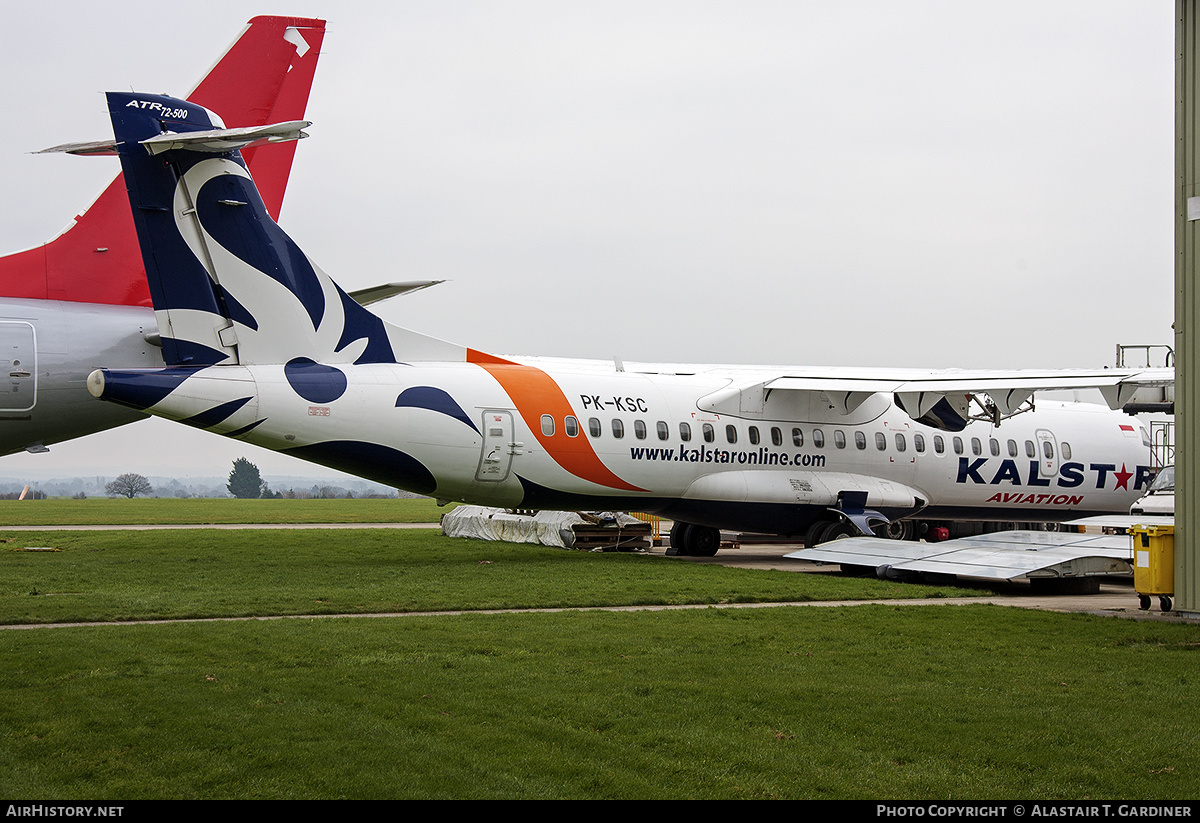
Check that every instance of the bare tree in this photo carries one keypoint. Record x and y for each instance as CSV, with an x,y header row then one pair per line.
x,y
128,485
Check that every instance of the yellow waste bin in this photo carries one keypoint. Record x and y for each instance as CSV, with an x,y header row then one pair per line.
x,y
1154,564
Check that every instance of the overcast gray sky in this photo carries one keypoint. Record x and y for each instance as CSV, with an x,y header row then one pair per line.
x,y
938,184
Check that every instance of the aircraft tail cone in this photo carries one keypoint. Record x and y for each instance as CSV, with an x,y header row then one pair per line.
x,y
95,384
138,389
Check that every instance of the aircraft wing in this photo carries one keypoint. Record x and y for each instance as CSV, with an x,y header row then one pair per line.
x,y
942,399
1116,385
1014,555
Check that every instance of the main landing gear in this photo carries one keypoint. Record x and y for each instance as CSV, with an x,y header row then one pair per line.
x,y
694,541
825,530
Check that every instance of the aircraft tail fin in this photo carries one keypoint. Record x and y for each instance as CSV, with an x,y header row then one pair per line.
x,y
228,285
264,77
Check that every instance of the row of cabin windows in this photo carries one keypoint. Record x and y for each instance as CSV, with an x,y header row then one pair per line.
x,y
708,433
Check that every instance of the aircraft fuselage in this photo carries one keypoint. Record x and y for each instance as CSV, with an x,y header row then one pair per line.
x,y
47,350
568,434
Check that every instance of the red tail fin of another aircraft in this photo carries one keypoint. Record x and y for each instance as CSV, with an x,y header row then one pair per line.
x,y
264,77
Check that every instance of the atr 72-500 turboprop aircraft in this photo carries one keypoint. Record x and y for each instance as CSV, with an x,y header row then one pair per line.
x,y
262,346
81,300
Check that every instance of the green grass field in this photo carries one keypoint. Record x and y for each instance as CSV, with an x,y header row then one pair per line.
x,y
199,511
896,702
172,574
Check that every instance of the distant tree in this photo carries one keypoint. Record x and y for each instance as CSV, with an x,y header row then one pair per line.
x,y
245,482
128,485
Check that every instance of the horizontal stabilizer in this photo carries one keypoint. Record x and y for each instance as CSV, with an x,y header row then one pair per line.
x,y
95,148
213,141
376,294
218,141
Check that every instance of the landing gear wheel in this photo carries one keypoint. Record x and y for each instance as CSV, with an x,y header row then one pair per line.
x,y
895,530
679,538
838,530
813,536
703,541
1164,602
1144,602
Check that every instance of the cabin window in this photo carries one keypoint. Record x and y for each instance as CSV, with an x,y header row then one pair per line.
x,y
731,433
618,429
754,435
709,434
901,443
639,429
860,441
976,446
880,441
571,426
939,445
839,438
818,438
994,446
797,437
685,432
594,427
1048,449
664,431
919,442
547,425
1012,448
1030,451
1066,450
776,436
958,445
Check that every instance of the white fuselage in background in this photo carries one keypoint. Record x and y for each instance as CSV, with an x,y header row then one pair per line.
x,y
48,349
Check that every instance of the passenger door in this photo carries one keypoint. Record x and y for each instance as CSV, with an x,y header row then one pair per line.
x,y
495,460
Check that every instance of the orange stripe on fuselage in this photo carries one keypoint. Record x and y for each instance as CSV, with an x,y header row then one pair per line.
x,y
535,393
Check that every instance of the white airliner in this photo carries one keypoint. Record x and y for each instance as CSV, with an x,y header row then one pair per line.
x,y
81,300
260,345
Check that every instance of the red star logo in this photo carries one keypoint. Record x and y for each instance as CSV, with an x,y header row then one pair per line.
x,y
1123,478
